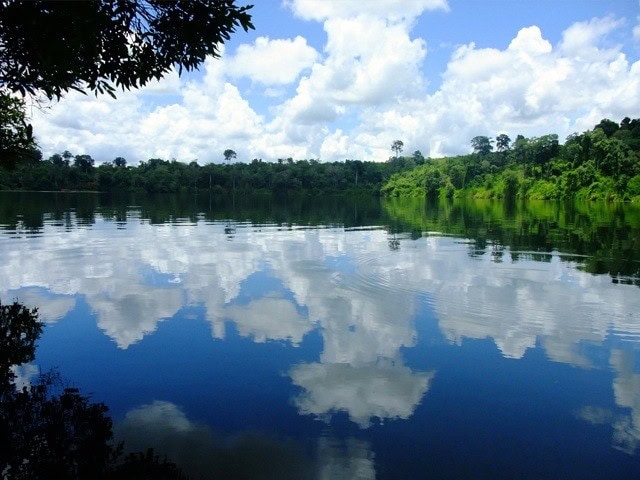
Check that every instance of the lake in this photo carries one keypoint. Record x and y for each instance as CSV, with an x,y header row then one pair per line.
x,y
338,337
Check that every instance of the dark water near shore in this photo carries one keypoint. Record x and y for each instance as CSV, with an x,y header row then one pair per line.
x,y
342,338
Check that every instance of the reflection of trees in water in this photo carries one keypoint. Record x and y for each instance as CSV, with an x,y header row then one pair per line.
x,y
606,235
48,430
31,210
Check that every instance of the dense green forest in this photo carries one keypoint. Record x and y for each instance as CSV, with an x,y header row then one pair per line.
x,y
601,164
78,172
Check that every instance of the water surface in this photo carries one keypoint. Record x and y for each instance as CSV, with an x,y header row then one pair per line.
x,y
342,338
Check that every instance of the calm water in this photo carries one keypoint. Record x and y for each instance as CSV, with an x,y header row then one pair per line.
x,y
327,339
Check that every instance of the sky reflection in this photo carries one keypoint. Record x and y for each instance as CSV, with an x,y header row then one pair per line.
x,y
358,294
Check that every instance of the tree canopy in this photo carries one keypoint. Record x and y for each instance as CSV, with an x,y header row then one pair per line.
x,y
397,147
229,155
16,136
51,47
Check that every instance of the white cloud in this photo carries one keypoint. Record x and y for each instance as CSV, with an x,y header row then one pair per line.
x,y
351,99
530,87
50,308
269,319
582,38
272,62
390,9
380,390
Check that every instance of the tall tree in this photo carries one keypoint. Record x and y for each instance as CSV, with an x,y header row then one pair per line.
x,y
418,158
481,145
51,47
83,162
229,155
397,147
503,142
120,162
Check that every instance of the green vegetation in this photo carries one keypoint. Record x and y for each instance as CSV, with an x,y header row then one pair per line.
x,y
78,172
601,164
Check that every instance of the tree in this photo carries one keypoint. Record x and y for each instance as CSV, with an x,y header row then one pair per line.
x,y
397,147
609,127
52,47
229,155
83,162
119,162
481,145
502,142
418,158
16,135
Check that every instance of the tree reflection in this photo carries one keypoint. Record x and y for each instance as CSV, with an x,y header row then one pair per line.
x,y
48,430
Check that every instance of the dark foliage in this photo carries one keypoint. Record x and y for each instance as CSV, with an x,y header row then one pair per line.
x,y
162,176
51,47
19,330
16,135
54,436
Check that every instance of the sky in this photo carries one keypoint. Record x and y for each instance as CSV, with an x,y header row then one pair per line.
x,y
342,79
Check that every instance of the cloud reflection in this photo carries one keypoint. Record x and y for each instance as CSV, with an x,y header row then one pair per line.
x,y
269,319
382,390
201,454
360,295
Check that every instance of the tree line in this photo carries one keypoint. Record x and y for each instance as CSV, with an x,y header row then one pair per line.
x,y
599,164
66,171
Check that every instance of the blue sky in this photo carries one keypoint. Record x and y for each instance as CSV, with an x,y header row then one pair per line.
x,y
336,79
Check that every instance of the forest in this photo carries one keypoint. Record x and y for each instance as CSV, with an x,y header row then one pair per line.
x,y
600,164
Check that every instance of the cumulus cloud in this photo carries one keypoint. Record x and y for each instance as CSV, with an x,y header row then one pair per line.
x,y
581,38
359,295
626,388
530,87
382,390
272,62
201,454
351,99
392,9
151,272
51,308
